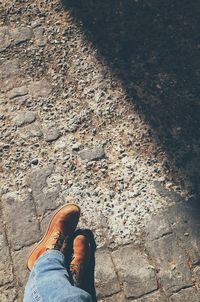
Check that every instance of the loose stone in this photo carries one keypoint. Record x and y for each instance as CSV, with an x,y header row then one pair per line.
x,y
76,147
5,38
39,35
51,135
34,161
24,118
92,154
9,69
22,34
16,92
32,130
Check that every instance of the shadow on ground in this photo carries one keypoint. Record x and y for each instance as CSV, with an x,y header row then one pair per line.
x,y
153,48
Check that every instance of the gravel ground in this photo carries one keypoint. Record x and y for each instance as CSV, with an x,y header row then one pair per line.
x,y
85,89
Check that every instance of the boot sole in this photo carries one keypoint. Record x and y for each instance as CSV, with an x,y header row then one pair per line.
x,y
38,244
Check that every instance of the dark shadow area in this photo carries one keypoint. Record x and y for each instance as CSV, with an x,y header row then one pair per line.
x,y
153,48
88,283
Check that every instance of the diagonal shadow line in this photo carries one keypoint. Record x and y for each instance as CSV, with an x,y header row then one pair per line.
x,y
153,49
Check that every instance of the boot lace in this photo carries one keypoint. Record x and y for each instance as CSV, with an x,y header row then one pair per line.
x,y
56,241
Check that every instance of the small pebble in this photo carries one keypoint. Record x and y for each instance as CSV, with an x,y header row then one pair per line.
x,y
76,147
51,135
34,161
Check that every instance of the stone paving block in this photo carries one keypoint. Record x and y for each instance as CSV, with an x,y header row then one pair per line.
x,y
105,275
185,221
172,263
187,294
47,201
189,240
134,269
21,221
8,294
154,297
119,297
37,179
19,262
158,226
5,260
44,199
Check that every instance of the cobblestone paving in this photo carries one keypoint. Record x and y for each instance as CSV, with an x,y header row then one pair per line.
x,y
70,133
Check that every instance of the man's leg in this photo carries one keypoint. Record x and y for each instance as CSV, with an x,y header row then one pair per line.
x,y
49,281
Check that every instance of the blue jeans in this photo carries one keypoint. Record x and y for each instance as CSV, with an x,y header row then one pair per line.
x,y
49,281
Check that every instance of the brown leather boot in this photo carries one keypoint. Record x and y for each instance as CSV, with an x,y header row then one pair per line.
x,y
80,259
62,224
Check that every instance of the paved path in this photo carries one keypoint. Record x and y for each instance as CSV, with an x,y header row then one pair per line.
x,y
70,133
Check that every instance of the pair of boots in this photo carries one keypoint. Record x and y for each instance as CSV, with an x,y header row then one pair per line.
x,y
60,228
